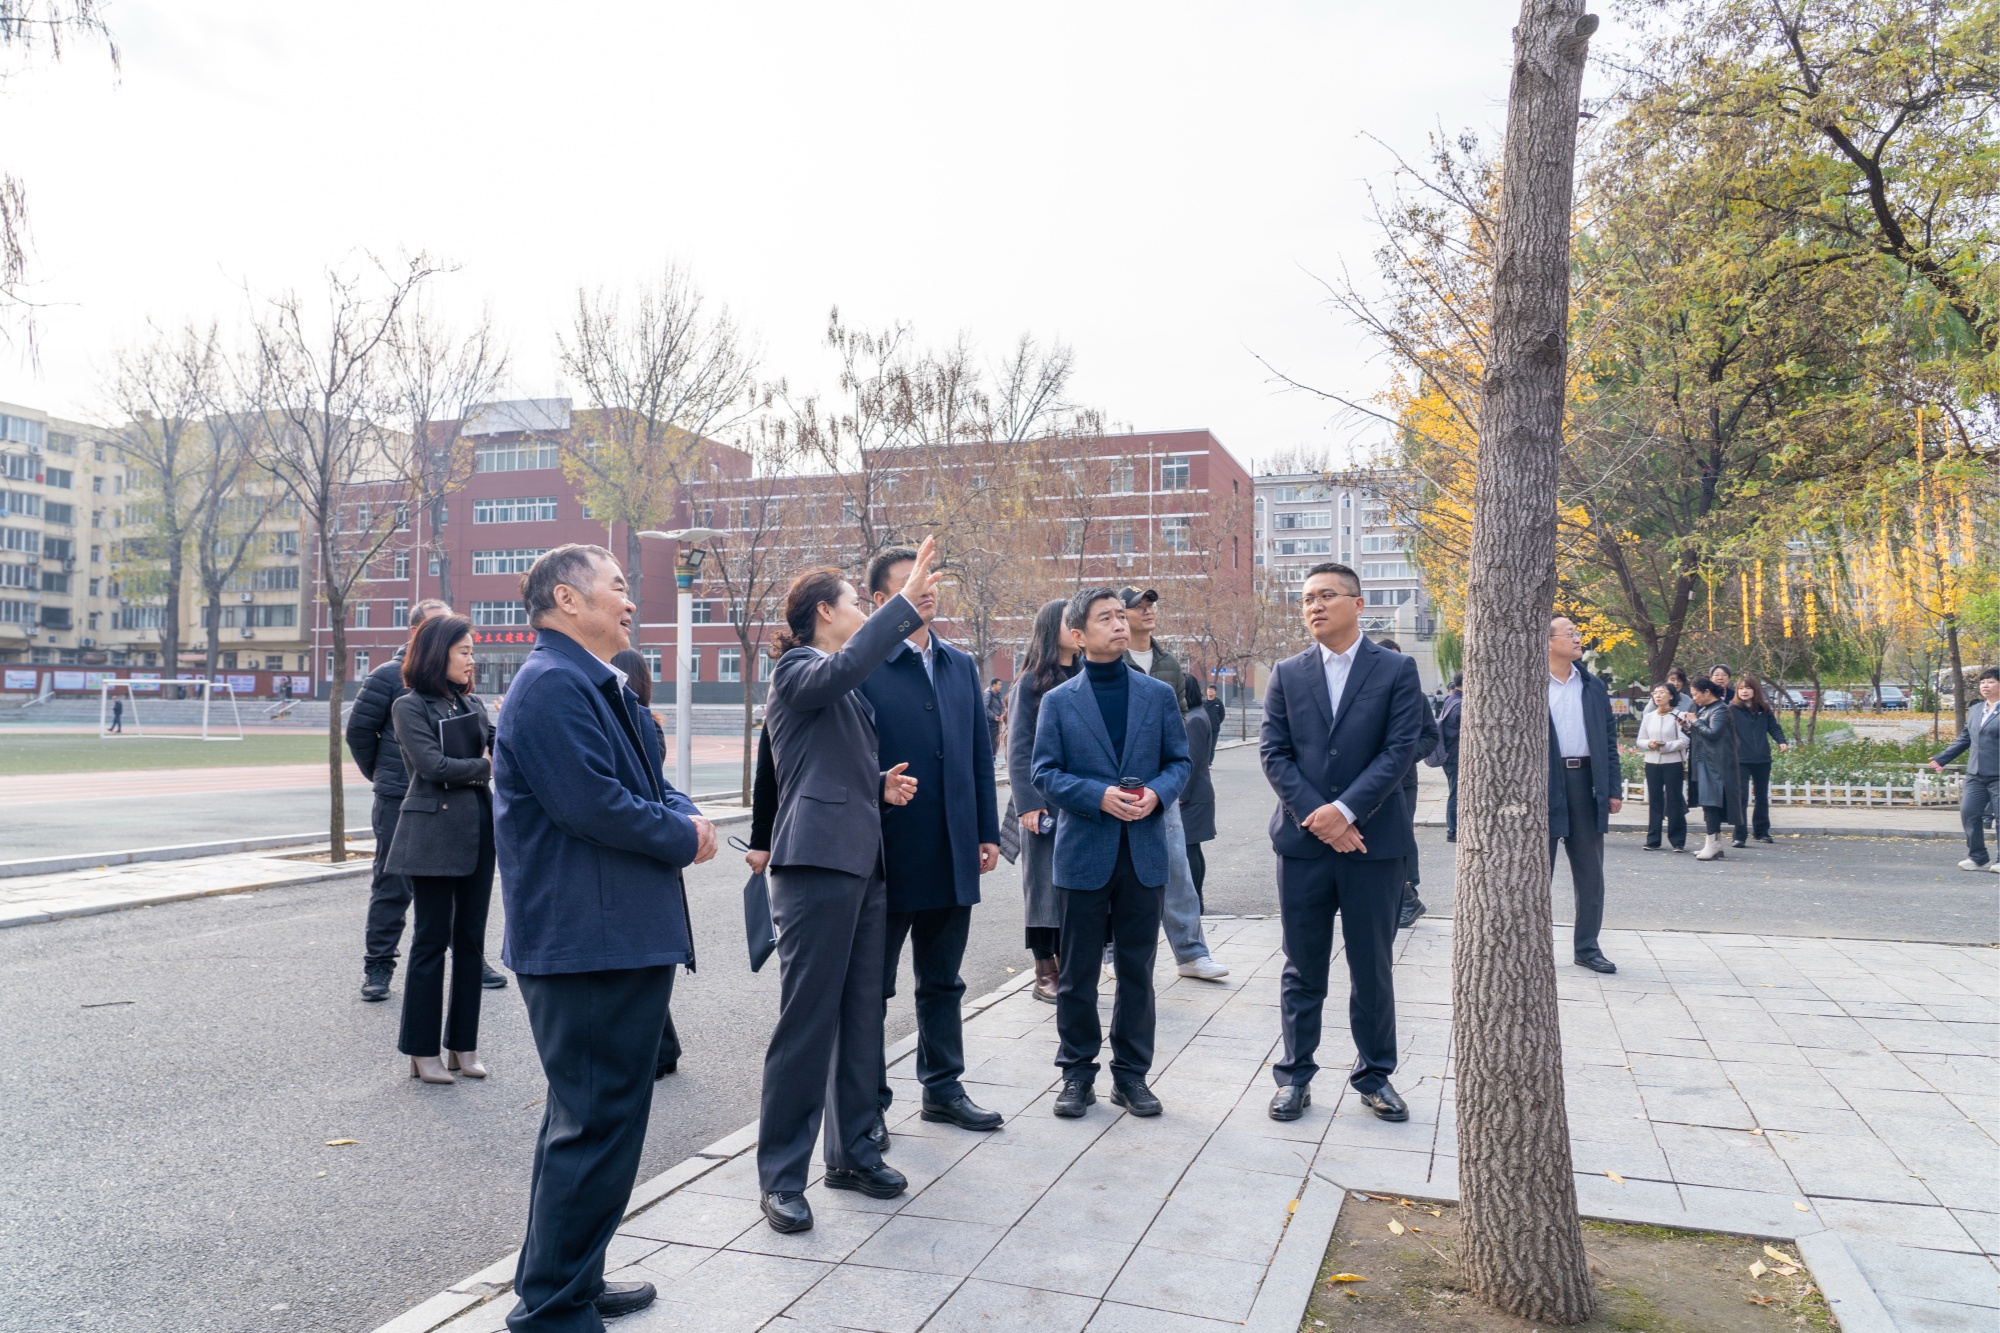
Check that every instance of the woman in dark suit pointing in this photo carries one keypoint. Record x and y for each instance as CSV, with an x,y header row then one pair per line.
x,y
829,897
444,843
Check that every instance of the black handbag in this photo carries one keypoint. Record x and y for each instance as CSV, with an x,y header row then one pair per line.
x,y
760,933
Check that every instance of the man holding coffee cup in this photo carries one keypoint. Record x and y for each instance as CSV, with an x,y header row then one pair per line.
x,y
1110,754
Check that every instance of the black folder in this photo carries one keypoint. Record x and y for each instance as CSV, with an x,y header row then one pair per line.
x,y
462,737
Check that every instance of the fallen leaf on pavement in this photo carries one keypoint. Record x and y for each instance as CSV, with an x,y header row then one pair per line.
x,y
1291,1207
1801,1207
1395,1227
1788,1271
1758,1132
1347,1277
341,1143
1435,1212
1757,1269
1406,1203
1758,1300
1614,1177
1779,1255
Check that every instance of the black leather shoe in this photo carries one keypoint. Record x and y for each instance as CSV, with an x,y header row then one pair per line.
x,y
1385,1104
1451,837
1739,842
1596,962
961,1111
375,981
1291,1101
1412,909
1075,1097
787,1211
660,1071
1649,847
1767,838
878,1133
623,1298
877,1182
492,980
1135,1097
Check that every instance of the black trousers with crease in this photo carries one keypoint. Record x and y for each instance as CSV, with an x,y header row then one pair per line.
x,y
825,1058
1126,915
1585,845
937,950
596,1033
1367,896
1755,783
1666,804
388,895
451,913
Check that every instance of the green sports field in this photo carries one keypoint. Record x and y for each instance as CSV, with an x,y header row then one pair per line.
x,y
57,752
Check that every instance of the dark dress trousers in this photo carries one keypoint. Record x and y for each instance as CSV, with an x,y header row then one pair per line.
x,y
1356,751
936,723
1979,741
444,848
830,903
591,841
371,739
1451,717
1580,808
1198,801
1109,872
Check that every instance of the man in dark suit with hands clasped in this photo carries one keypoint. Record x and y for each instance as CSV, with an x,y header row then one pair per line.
x,y
1341,725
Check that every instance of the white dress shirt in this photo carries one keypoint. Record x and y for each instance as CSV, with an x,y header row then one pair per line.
x,y
1566,712
1337,666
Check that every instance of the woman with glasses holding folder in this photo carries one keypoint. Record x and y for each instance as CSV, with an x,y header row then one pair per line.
x,y
444,843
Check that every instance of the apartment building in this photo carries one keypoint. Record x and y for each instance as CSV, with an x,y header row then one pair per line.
x,y
1303,518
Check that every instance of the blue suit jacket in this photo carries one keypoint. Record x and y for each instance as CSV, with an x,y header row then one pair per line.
x,y
1606,780
590,837
1074,764
931,846
1311,756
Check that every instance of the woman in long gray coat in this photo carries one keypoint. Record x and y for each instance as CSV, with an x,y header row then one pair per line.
x,y
444,843
1050,660
1712,761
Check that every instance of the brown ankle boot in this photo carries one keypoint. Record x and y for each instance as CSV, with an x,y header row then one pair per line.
x,y
1045,980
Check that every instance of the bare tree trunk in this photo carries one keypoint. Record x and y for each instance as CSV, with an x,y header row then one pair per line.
x,y
170,633
635,589
441,553
214,635
336,819
1523,1244
1957,672
749,670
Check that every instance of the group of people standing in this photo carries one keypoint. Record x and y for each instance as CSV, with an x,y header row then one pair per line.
x,y
1712,739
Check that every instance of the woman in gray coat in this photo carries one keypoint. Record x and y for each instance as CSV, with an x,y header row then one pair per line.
x,y
444,843
1712,761
1050,660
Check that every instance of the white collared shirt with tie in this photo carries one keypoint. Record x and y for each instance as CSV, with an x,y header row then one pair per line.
x,y
1566,712
1337,666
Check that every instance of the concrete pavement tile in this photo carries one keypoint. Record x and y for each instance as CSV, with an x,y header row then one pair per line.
x,y
1235,1150
1847,1166
668,1263
872,1298
1254,1119
1114,1317
488,1318
736,1179
1096,1208
1914,1314
994,1186
1957,1178
1942,1275
1053,1260
992,1307
929,1245
1953,1074
1935,1038
1773,1054
1855,1068
1928,1227
1745,1212
1701,1155
1231,1214
1698,1106
686,1218
1983,1227
671,1316
1375,1169
1628,1158
1194,1284
836,1233
1629,1200
625,1250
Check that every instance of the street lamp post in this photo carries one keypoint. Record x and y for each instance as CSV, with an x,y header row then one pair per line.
x,y
686,568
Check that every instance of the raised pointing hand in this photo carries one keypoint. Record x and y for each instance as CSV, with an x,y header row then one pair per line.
x,y
922,582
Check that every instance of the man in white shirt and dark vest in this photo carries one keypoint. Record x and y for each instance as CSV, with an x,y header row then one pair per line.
x,y
1585,783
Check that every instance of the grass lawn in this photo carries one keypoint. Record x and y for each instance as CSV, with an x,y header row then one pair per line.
x,y
45,752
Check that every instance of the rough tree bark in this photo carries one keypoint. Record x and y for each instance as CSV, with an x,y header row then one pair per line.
x,y
1523,1246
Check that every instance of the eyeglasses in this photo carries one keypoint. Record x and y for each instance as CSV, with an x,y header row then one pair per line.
x,y
1325,598
1567,634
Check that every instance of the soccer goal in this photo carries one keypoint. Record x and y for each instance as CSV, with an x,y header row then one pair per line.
x,y
126,721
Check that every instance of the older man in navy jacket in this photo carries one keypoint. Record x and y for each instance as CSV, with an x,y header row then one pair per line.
x,y
591,842
1341,726
929,716
1111,754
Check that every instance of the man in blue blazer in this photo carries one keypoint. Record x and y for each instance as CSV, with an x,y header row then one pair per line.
x,y
591,841
1585,783
1110,754
929,716
1341,727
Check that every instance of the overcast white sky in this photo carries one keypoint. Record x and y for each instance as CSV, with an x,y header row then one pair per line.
x,y
1153,183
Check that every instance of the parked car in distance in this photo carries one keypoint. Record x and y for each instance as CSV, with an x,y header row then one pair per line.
x,y
1890,698
1831,699
1781,698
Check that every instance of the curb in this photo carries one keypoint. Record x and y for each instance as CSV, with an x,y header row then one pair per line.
x,y
497,1278
1288,1284
25,916
1791,829
183,851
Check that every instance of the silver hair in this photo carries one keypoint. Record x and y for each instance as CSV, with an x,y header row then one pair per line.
x,y
573,564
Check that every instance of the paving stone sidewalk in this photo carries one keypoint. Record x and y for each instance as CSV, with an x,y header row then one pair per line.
x,y
27,900
1841,1092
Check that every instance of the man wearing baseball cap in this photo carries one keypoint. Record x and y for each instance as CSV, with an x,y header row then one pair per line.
x,y
1180,905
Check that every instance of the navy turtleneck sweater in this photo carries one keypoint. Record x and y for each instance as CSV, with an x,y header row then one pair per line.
x,y
1111,683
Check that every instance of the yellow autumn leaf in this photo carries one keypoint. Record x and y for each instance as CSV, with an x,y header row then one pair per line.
x,y
1614,1177
341,1143
1347,1277
1291,1207
1395,1227
1801,1207
1779,1255
1757,1269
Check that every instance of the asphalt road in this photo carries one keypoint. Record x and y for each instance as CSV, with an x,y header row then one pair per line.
x,y
167,1111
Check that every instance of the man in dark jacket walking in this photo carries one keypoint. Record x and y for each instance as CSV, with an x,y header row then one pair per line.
x,y
1451,716
371,739
1586,786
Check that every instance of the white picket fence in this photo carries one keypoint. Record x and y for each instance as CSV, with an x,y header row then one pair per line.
x,y
1922,789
